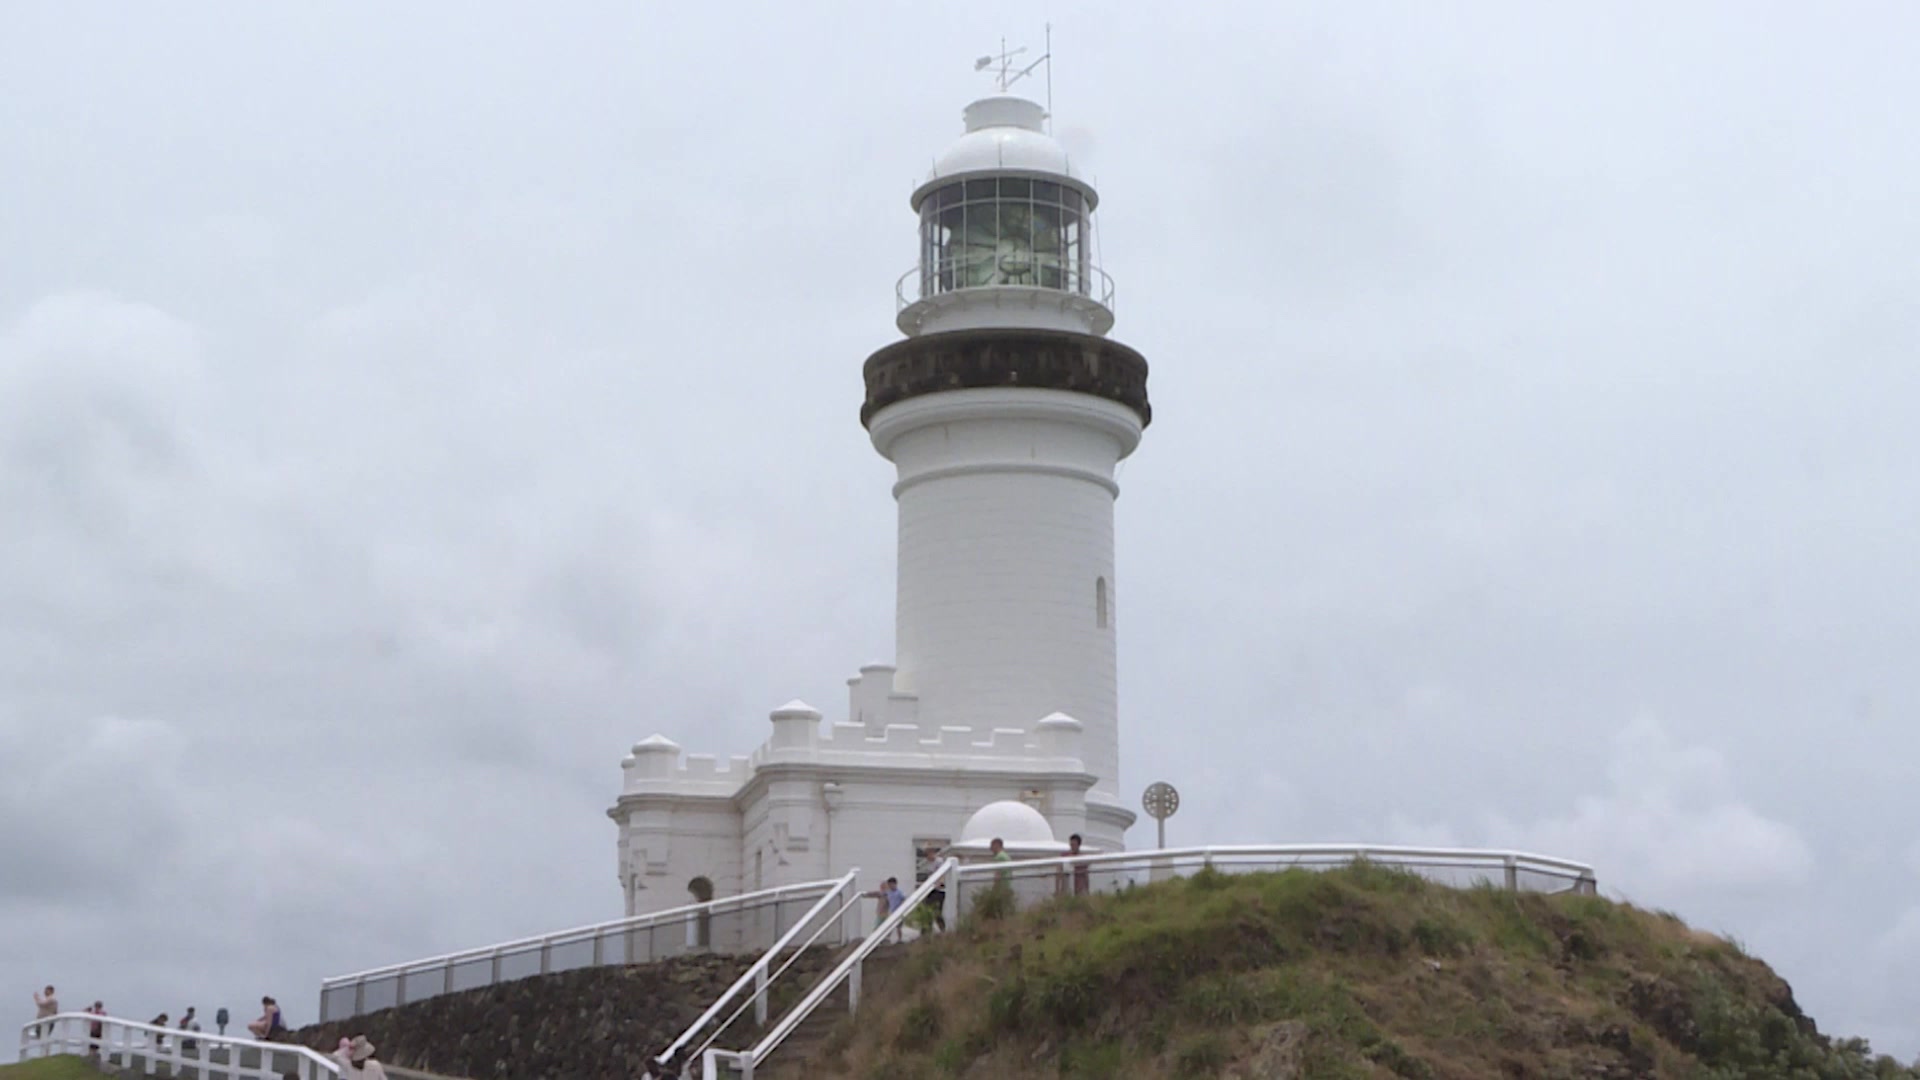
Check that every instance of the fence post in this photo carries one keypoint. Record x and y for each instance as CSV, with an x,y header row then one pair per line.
x,y
760,997
494,976
546,956
853,986
1513,873
598,951
447,983
359,997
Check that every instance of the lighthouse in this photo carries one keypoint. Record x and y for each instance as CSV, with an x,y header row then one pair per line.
x,y
1004,409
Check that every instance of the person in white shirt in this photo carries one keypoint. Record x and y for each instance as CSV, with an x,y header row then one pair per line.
x,y
357,1061
45,1006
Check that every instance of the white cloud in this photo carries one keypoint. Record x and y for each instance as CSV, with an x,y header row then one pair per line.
x,y
1672,824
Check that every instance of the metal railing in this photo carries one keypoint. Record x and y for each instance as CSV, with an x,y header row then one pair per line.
x,y
1037,879
953,274
125,1045
847,971
841,899
734,924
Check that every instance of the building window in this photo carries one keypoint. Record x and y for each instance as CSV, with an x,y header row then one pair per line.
x,y
1100,602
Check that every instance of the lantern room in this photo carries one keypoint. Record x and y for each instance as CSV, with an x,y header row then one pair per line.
x,y
1006,232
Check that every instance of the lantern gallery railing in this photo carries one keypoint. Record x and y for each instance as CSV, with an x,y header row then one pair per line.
x,y
126,1047
1037,879
736,924
997,269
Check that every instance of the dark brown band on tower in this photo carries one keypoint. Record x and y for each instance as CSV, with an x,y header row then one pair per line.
x,y
1032,359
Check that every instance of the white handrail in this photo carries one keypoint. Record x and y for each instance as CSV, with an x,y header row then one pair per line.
x,y
1388,853
847,969
791,960
631,922
72,1033
596,932
760,966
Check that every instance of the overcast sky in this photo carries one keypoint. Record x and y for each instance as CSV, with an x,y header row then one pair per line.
x,y
405,409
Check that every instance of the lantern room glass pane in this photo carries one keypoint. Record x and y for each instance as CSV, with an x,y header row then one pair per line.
x,y
979,245
1047,246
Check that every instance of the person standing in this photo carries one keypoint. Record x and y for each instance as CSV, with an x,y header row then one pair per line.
x,y
46,1006
1082,876
188,1023
95,1029
357,1061
1000,854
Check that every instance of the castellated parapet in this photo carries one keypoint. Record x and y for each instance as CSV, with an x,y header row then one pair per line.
x,y
879,791
882,733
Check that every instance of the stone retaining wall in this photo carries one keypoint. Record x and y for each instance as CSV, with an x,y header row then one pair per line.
x,y
577,1025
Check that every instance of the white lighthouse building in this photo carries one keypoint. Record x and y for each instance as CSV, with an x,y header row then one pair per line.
x,y
1004,410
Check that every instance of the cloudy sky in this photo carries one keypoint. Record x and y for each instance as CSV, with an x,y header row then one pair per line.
x,y
405,409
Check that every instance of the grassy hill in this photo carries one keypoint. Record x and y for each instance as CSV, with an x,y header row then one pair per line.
x,y
1363,972
56,1068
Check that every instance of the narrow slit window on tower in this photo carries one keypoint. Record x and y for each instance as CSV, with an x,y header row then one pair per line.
x,y
1100,602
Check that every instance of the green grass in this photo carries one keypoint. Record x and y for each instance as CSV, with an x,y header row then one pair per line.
x,y
1358,972
54,1068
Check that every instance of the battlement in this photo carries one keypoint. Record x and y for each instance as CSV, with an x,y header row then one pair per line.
x,y
882,732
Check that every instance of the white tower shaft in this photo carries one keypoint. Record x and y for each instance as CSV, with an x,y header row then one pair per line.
x,y
1006,608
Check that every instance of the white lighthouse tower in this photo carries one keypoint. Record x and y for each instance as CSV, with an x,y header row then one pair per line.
x,y
1005,411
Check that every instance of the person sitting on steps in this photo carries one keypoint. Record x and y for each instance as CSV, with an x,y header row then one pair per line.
x,y
271,1026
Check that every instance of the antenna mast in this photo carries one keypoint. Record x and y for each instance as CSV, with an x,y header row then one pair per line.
x,y
1048,57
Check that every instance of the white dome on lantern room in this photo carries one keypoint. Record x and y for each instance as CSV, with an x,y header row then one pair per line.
x,y
1003,133
1006,232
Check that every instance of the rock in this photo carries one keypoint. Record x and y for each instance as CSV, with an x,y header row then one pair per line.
x,y
1278,1055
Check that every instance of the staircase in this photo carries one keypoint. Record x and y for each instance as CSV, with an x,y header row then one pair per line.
x,y
794,1059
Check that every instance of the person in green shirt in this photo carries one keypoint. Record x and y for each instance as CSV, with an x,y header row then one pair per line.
x,y
999,850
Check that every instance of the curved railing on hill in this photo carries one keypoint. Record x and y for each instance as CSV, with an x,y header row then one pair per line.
x,y
130,1046
1035,878
743,923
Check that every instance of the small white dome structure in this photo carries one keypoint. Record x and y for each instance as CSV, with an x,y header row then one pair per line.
x,y
1019,827
1004,134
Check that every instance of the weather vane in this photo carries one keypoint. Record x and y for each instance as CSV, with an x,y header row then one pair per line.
x,y
1005,74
